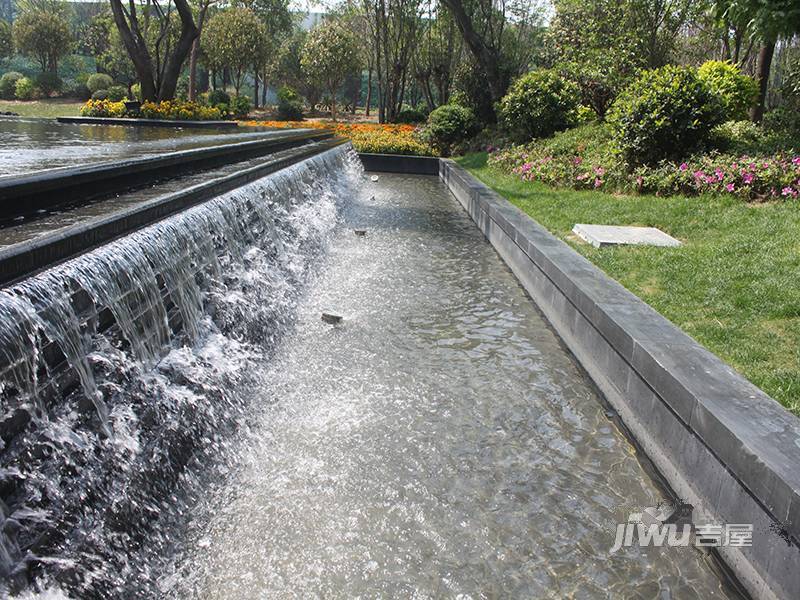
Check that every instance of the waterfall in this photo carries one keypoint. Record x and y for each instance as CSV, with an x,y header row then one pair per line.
x,y
122,369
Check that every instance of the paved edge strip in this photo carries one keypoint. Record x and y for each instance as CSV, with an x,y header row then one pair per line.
x,y
722,444
27,258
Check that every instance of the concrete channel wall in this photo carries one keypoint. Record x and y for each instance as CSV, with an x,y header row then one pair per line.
x,y
722,444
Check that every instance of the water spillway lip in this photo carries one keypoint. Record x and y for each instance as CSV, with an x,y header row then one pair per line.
x,y
28,258
721,443
149,122
22,195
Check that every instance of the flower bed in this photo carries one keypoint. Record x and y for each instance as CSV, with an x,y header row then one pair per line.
x,y
584,160
366,137
174,110
103,108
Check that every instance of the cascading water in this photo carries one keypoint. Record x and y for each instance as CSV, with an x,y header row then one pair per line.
x,y
123,369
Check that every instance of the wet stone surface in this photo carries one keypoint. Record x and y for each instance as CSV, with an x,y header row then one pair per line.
x,y
439,442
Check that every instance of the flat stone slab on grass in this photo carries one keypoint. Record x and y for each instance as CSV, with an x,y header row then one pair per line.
x,y
614,235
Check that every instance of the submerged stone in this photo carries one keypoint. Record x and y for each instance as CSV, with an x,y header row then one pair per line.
x,y
331,318
360,232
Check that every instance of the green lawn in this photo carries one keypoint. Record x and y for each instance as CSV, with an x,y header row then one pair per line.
x,y
43,108
734,285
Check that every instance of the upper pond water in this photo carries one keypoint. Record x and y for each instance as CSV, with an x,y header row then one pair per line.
x,y
28,145
439,442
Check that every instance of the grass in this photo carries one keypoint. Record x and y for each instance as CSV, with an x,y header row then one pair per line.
x,y
734,285
43,108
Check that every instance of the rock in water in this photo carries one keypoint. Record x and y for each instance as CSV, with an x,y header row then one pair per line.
x,y
374,178
360,232
331,318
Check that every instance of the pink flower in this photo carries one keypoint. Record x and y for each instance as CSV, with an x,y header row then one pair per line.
x,y
796,161
730,187
683,166
710,179
577,160
598,183
748,178
699,174
599,171
720,174
788,191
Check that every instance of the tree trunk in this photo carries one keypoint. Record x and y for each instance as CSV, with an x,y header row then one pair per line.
x,y
762,76
193,70
369,92
255,88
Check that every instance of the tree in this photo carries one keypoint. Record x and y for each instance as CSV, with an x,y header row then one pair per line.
x,y
770,20
277,21
490,30
157,44
437,57
235,39
329,55
43,35
290,71
6,40
394,27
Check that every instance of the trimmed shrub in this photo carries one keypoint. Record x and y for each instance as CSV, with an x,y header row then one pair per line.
x,y
99,81
450,125
117,93
665,114
216,97
49,83
411,115
24,90
537,105
290,105
100,95
736,92
8,85
239,107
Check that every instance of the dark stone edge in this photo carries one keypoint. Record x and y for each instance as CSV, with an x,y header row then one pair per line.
x,y
719,441
398,163
27,258
147,122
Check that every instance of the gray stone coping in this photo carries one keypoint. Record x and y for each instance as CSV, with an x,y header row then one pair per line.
x,y
26,194
720,441
149,122
25,259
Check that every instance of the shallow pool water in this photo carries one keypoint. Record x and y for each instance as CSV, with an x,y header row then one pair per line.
x,y
439,442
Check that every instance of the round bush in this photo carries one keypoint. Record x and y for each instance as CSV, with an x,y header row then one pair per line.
x,y
450,125
117,93
664,114
8,85
216,97
239,107
49,83
410,115
290,105
736,92
24,89
100,95
537,105
99,81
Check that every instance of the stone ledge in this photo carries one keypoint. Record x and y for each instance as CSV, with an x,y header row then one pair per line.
x,y
722,443
398,163
149,122
25,194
